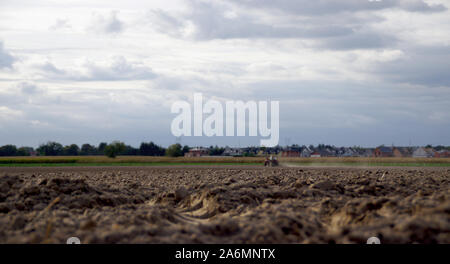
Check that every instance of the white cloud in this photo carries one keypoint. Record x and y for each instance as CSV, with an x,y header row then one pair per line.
x,y
107,24
7,113
60,24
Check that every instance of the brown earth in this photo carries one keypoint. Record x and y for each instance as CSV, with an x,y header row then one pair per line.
x,y
224,205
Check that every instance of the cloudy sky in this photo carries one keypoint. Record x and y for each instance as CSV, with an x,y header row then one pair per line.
x,y
346,72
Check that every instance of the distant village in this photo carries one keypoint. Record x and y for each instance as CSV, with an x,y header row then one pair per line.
x,y
175,150
327,151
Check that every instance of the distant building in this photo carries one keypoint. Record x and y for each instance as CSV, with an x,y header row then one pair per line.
x,y
383,152
367,153
197,152
442,154
305,152
401,152
315,154
347,152
232,152
290,153
423,153
326,152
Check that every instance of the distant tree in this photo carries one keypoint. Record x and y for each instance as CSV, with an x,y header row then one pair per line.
x,y
129,151
50,149
72,150
8,150
248,154
24,151
185,150
174,150
101,148
113,149
151,149
263,149
215,151
358,148
87,149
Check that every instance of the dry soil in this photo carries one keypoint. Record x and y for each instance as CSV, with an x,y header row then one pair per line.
x,y
224,205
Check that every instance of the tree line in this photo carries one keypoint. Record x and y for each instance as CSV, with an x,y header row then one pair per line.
x,y
112,149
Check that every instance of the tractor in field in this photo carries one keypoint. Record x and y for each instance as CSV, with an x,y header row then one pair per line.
x,y
271,162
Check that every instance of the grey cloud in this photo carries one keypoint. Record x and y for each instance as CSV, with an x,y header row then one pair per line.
x,y
29,88
360,40
419,65
421,6
331,32
308,7
48,67
6,59
345,111
75,114
164,22
116,69
120,69
210,22
50,71
109,24
342,113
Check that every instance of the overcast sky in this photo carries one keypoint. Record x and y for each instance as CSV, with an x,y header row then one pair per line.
x,y
346,72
